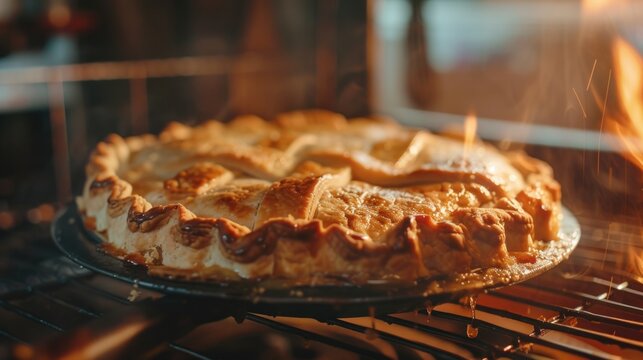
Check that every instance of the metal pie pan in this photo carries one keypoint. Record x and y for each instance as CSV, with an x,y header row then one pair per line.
x,y
281,297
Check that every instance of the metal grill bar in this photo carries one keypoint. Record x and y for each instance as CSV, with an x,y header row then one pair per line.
x,y
480,347
588,298
102,292
66,304
396,339
43,280
623,287
35,278
520,336
566,312
106,294
313,336
13,288
592,268
189,352
383,335
537,324
11,337
29,316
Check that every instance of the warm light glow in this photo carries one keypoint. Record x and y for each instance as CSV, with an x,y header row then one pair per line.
x,y
626,123
100,347
470,126
595,6
628,76
629,84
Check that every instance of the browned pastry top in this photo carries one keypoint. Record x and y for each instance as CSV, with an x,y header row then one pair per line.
x,y
311,193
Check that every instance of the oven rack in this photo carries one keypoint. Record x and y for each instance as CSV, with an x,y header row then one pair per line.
x,y
584,308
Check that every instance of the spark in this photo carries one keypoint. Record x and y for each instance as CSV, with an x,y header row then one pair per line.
x,y
580,103
600,136
609,290
591,75
470,129
607,244
570,275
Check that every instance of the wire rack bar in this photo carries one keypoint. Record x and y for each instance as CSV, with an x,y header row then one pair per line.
x,y
313,336
11,337
480,347
190,352
28,315
583,314
621,287
36,278
538,324
102,292
521,336
587,297
395,339
66,304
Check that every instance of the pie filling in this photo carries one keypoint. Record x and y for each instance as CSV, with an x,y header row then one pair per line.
x,y
311,193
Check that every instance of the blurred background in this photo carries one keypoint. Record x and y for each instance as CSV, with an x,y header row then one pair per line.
x,y
560,79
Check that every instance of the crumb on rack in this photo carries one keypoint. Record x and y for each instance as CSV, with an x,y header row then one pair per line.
x,y
134,293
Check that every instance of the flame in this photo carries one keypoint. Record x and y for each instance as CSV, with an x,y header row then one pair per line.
x,y
634,261
629,71
624,117
102,346
470,127
628,125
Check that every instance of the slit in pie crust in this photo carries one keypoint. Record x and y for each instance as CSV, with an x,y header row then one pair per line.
x,y
311,193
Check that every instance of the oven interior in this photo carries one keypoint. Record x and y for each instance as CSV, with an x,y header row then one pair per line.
x,y
562,80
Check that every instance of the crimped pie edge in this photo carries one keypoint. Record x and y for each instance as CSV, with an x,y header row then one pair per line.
x,y
109,201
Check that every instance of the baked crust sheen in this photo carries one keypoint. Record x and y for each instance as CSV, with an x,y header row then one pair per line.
x,y
311,193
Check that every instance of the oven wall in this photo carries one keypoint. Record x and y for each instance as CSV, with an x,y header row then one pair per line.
x,y
259,57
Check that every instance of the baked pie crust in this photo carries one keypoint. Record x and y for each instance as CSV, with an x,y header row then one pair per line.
x,y
312,194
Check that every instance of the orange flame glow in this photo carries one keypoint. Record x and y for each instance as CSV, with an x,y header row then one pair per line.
x,y
628,127
627,124
634,262
624,120
470,127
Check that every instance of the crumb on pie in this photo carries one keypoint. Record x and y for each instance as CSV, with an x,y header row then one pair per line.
x,y
311,193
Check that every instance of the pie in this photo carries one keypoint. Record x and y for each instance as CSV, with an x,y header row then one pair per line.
x,y
311,194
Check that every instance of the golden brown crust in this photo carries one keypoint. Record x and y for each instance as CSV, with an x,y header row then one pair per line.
x,y
312,193
195,180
